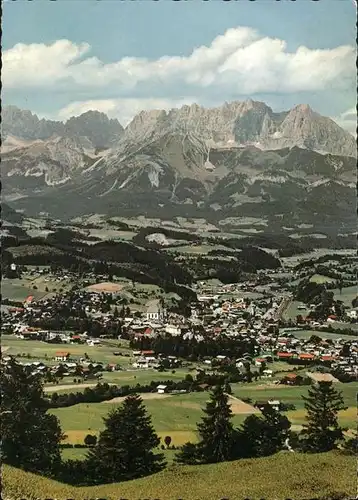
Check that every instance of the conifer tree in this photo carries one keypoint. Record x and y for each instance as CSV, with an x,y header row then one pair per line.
x,y
322,431
263,435
124,449
216,432
351,445
30,437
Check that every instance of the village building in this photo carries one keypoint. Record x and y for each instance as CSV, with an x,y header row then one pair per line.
x,y
156,312
62,356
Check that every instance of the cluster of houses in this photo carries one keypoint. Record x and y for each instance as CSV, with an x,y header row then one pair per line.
x,y
232,310
66,367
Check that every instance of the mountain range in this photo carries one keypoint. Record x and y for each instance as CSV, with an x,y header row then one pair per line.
x,y
238,160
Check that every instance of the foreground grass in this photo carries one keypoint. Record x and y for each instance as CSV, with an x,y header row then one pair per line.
x,y
285,475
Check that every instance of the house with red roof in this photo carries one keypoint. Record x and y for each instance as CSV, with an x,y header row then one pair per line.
x,y
62,356
305,356
284,355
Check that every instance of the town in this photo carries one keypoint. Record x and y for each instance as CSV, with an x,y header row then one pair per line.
x,y
179,300
225,324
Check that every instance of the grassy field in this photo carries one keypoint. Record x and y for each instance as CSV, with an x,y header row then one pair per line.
x,y
20,289
134,377
43,350
112,234
293,395
74,453
281,476
319,278
306,334
338,325
178,415
347,295
292,311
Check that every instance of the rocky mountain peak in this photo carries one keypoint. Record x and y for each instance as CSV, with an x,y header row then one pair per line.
x,y
102,131
246,123
92,127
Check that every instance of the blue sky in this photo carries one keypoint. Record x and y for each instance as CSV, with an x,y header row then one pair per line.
x,y
111,54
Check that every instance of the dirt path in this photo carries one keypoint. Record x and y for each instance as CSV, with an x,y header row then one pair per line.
x,y
263,387
55,388
148,395
239,407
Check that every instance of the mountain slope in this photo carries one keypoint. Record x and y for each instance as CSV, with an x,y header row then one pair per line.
x,y
93,127
239,160
247,123
324,474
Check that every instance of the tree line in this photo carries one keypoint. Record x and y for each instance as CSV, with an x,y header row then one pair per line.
x,y
128,446
193,349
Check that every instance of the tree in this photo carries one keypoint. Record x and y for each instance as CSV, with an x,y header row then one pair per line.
x,y
124,449
90,440
350,446
189,454
346,350
167,441
264,435
216,432
30,436
227,388
322,431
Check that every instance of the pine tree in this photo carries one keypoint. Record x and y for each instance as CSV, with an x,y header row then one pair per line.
x,y
216,432
188,455
30,437
350,446
322,431
263,435
124,449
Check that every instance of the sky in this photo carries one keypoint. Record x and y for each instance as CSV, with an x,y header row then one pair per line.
x,y
62,58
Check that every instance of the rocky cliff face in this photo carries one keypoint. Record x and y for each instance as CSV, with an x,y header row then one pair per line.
x,y
93,129
247,123
25,125
239,159
33,165
97,127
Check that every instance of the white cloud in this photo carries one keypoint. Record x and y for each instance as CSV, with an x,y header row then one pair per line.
x,y
239,61
40,65
123,109
348,120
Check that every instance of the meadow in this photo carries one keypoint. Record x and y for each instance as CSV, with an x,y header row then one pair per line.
x,y
347,295
18,290
306,334
177,415
293,310
39,286
320,279
281,476
293,395
43,351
